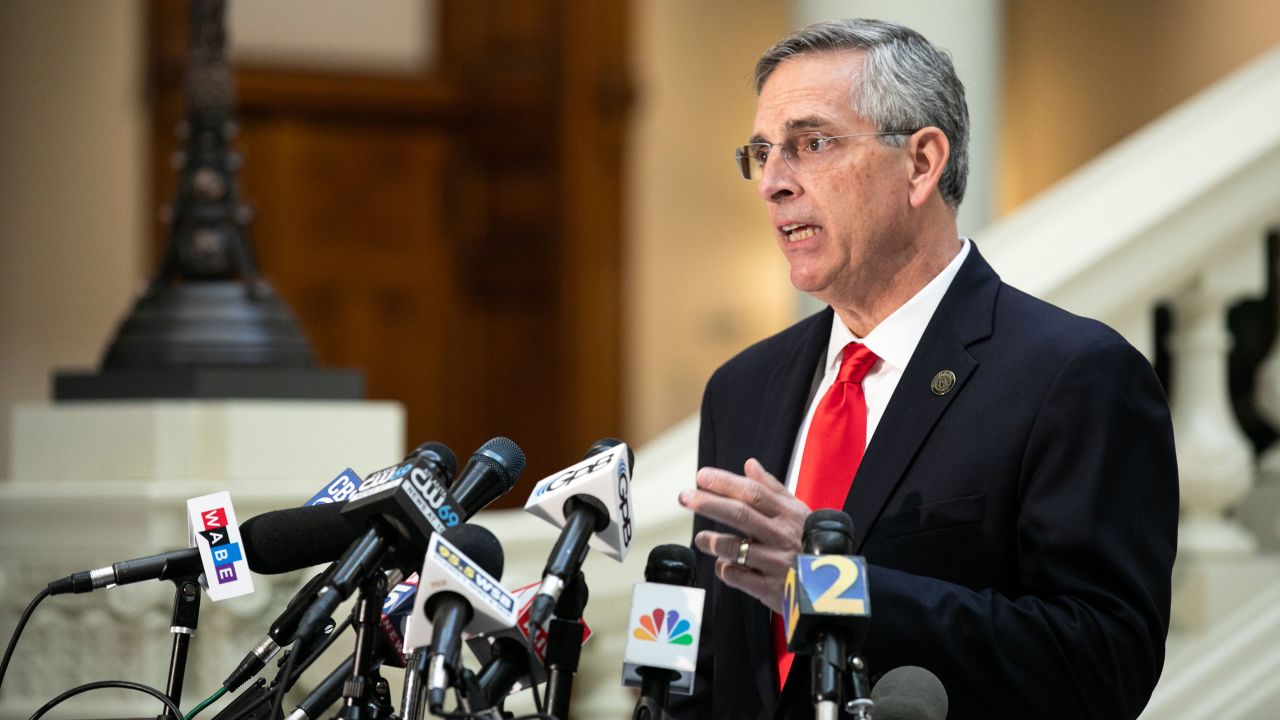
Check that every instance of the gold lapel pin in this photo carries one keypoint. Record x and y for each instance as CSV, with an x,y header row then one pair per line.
x,y
943,382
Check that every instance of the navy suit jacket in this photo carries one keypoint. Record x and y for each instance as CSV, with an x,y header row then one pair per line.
x,y
1020,529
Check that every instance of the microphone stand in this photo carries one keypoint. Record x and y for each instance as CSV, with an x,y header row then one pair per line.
x,y
357,690
859,704
829,668
413,701
564,646
655,689
186,615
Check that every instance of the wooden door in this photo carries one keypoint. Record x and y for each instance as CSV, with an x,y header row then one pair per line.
x,y
454,234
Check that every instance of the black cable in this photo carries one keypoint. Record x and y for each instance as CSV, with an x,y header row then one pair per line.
x,y
17,631
277,697
484,716
125,684
537,698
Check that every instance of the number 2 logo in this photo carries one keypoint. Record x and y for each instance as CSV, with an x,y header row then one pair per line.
x,y
832,600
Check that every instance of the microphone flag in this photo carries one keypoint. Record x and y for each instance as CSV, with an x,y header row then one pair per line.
x,y
824,589
606,478
663,632
214,531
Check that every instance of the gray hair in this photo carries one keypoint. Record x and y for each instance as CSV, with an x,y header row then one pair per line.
x,y
905,84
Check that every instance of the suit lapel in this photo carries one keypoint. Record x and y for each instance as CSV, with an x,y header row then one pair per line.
x,y
783,401
786,397
963,317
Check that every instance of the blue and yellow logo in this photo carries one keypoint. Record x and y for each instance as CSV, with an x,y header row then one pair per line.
x,y
825,585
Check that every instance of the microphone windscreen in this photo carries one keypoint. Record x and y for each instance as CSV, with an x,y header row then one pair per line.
x,y
671,564
479,545
282,541
440,453
909,693
507,455
828,532
604,444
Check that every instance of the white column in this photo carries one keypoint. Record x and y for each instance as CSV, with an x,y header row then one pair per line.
x,y
1215,460
1267,398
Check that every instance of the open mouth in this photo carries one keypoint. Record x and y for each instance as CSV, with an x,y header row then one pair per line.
x,y
799,231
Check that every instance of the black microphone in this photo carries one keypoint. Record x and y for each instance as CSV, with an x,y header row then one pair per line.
x,y
909,693
275,542
490,471
591,498
510,659
825,624
403,506
279,634
386,651
460,587
667,565
285,626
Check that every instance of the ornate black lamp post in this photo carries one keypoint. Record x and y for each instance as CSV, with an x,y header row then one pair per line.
x,y
209,325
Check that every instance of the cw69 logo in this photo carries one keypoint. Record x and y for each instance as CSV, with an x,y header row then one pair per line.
x,y
436,497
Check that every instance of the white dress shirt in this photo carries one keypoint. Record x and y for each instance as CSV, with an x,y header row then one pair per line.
x,y
894,340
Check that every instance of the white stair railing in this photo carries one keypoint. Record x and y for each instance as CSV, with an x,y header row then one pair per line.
x,y
1177,213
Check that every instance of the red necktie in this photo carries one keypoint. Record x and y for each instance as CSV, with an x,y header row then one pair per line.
x,y
832,451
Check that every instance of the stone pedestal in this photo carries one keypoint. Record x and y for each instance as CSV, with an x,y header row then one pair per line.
x,y
91,483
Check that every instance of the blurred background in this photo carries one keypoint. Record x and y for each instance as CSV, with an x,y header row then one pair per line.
x,y
520,218
459,198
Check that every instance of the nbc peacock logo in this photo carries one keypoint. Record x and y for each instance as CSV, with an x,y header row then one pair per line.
x,y
668,623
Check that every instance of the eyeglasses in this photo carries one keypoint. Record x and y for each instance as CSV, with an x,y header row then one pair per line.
x,y
805,153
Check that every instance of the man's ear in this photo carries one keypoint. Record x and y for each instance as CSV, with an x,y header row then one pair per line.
x,y
927,154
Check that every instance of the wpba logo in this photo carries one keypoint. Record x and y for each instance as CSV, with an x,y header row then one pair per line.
x,y
667,624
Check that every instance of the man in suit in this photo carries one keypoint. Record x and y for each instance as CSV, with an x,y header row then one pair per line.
x,y
1009,467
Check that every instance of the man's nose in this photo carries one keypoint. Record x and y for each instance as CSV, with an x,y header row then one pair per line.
x,y
777,179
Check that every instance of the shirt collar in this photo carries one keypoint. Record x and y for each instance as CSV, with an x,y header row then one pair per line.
x,y
894,340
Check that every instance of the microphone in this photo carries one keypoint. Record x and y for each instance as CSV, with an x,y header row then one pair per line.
x,y
591,502
827,610
275,542
387,647
280,633
661,653
459,592
529,655
909,693
406,505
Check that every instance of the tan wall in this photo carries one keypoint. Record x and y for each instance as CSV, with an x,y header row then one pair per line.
x,y
72,202
1083,74
704,276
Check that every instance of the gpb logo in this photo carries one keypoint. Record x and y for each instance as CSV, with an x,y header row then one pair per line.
x,y
675,629
569,477
624,502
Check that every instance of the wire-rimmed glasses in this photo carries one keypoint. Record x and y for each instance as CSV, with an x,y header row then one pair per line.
x,y
803,152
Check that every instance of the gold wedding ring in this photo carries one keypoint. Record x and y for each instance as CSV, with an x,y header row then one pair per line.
x,y
743,548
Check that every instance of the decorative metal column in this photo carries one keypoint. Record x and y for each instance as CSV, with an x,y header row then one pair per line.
x,y
209,325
